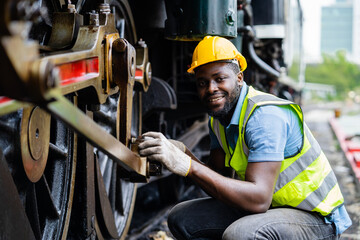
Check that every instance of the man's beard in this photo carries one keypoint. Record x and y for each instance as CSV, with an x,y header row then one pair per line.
x,y
229,105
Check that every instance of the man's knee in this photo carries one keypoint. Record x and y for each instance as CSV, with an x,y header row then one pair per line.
x,y
174,217
241,229
177,221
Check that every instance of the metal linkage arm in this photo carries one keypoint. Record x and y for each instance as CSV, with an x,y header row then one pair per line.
x,y
77,120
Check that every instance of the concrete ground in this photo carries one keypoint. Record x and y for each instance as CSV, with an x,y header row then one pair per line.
x,y
317,117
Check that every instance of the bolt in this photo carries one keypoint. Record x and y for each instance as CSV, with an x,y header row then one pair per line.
x,y
155,168
230,18
51,79
104,8
71,8
94,18
51,76
142,43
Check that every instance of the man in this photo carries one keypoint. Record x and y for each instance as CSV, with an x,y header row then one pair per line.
x,y
285,187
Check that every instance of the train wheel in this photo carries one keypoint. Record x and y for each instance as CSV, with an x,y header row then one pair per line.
x,y
42,161
46,187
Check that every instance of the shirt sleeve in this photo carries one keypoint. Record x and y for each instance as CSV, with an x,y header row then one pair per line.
x,y
266,134
214,143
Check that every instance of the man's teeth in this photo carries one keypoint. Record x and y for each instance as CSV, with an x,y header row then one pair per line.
x,y
215,99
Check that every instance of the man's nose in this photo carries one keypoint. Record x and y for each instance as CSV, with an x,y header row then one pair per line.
x,y
213,87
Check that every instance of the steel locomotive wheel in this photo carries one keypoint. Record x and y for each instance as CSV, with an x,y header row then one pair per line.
x,y
43,168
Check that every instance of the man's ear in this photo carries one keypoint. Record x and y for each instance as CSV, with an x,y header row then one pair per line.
x,y
240,78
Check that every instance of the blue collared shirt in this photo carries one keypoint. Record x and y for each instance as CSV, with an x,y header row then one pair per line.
x,y
272,134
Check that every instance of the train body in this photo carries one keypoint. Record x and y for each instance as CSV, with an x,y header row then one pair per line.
x,y
82,79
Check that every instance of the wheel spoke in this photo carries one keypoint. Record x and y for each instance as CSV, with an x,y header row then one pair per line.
x,y
7,127
104,118
45,199
57,151
32,210
119,202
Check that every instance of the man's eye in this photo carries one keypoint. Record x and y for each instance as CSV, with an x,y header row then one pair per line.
x,y
219,79
201,84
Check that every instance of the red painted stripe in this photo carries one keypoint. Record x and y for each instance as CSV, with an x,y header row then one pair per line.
x,y
78,71
348,147
4,100
139,73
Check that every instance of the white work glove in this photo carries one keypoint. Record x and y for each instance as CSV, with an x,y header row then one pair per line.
x,y
178,144
157,147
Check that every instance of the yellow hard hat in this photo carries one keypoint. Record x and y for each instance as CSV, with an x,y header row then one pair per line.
x,y
212,49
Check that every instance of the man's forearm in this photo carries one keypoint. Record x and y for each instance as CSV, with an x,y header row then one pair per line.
x,y
239,194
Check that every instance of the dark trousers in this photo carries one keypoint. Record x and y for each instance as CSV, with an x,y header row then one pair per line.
x,y
208,218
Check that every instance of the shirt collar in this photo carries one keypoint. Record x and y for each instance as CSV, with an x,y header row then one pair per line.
x,y
236,115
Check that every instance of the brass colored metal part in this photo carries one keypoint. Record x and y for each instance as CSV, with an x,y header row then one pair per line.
x,y
39,133
11,106
36,80
123,59
65,28
110,38
154,168
96,135
16,55
32,75
34,138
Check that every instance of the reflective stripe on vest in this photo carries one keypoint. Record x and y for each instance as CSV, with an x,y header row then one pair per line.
x,y
219,131
306,180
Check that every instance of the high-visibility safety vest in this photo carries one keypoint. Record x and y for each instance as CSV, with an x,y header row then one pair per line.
x,y
306,180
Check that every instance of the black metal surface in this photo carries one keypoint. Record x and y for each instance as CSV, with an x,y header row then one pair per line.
x,y
268,12
12,211
47,203
160,96
194,19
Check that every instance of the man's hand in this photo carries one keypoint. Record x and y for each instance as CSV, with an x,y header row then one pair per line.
x,y
157,147
178,144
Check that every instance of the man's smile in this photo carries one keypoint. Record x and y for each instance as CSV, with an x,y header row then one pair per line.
x,y
215,98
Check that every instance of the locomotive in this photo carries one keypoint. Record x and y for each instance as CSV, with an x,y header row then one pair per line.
x,y
81,79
